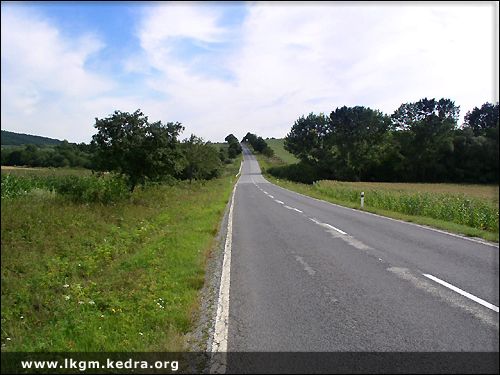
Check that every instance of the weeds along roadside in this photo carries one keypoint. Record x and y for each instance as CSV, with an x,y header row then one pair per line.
x,y
460,210
123,276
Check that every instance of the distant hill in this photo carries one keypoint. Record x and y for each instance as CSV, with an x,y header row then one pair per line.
x,y
16,139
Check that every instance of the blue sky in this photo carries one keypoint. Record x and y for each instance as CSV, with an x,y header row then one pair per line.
x,y
223,68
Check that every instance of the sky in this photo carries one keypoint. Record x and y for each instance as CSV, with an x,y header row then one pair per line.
x,y
237,67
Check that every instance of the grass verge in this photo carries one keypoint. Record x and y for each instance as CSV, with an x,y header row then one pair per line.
x,y
119,277
328,193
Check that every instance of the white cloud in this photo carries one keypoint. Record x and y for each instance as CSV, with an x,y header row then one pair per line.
x,y
44,79
218,77
294,59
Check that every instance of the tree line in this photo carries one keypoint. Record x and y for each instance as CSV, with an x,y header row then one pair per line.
x,y
132,146
64,154
419,142
258,144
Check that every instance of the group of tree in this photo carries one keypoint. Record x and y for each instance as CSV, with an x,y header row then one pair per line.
x,y
419,142
21,139
64,154
234,147
127,143
258,144
132,146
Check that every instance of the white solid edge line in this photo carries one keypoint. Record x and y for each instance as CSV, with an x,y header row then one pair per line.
x,y
462,292
482,242
219,343
241,164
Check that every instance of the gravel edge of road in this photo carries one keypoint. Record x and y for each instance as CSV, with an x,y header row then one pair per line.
x,y
201,337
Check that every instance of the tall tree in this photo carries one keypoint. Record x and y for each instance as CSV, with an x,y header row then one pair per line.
x,y
201,159
425,131
484,120
358,142
128,144
307,136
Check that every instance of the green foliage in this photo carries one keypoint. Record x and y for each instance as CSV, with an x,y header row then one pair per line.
x,y
234,147
300,172
129,145
484,120
258,144
419,142
82,189
12,138
307,137
202,161
63,154
425,131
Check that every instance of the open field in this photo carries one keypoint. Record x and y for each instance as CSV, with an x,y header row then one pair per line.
x,y
118,277
278,147
27,171
471,210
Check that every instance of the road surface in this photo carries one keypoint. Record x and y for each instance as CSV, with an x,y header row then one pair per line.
x,y
309,276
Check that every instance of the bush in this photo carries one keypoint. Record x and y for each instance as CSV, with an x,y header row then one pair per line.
x,y
300,172
81,189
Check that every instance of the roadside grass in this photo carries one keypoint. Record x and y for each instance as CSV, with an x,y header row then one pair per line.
x,y
279,151
124,276
470,210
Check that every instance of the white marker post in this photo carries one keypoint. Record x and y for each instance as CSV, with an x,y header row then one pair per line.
x,y
362,199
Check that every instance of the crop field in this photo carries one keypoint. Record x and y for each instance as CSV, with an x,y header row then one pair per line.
x,y
98,275
471,205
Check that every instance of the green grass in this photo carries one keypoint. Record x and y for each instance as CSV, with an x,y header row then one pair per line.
x,y
41,172
120,277
279,151
471,210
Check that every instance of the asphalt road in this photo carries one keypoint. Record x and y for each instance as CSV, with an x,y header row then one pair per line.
x,y
309,276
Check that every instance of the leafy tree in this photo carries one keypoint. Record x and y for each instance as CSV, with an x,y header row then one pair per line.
x,y
234,147
425,130
231,139
357,142
307,136
259,144
484,120
201,159
250,138
128,144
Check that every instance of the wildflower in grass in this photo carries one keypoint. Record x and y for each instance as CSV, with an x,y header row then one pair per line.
x,y
66,286
67,297
91,302
140,333
8,339
22,317
81,302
